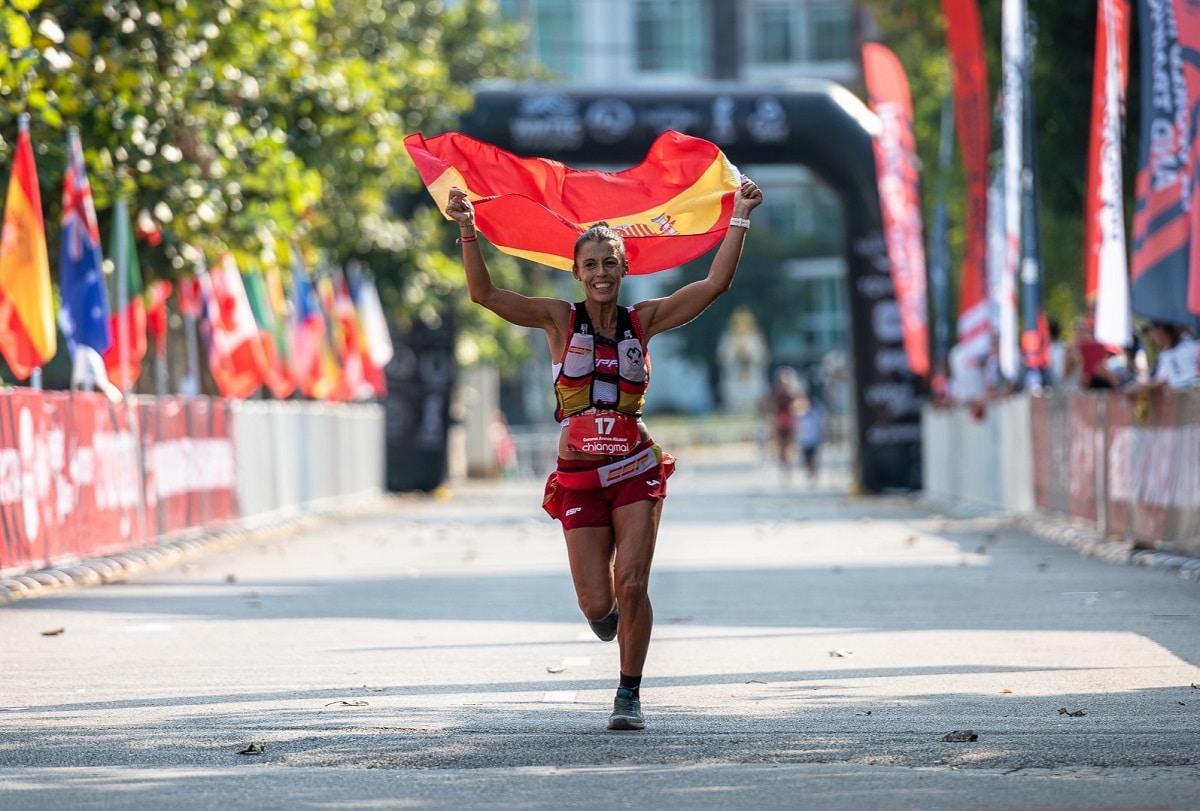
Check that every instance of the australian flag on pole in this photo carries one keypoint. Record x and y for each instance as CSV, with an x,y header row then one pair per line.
x,y
84,315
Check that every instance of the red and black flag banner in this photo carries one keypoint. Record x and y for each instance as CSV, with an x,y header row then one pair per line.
x,y
1166,217
671,208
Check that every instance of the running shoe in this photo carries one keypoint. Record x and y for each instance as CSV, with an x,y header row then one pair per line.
x,y
627,711
606,628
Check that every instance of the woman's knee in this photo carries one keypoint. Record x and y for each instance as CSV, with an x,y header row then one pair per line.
x,y
595,604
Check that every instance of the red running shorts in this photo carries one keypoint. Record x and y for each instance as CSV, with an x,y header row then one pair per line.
x,y
594,507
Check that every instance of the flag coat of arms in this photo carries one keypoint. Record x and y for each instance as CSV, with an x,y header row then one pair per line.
x,y
671,208
28,334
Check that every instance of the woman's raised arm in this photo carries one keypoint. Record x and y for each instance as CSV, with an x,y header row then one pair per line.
x,y
525,311
677,309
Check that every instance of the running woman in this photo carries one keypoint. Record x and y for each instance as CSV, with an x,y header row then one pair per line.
x,y
611,478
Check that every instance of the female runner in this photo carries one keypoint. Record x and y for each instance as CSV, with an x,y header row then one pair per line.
x,y
611,477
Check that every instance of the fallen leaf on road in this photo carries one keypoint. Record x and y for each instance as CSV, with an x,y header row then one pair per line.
x,y
1006,692
374,689
347,704
961,736
910,540
1072,713
863,712
555,669
53,631
840,653
756,681
231,578
253,748
1182,704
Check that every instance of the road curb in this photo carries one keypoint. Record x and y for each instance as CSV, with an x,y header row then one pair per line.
x,y
185,545
1078,535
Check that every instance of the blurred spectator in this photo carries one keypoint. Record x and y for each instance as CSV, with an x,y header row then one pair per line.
x,y
784,403
1087,358
1178,364
811,429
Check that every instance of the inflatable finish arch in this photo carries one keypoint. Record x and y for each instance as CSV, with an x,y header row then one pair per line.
x,y
815,123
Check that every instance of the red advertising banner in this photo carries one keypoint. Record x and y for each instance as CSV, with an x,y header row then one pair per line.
x,y
1106,277
964,37
898,178
80,476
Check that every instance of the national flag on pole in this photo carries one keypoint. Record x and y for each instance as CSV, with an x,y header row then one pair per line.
x,y
80,265
235,353
1166,217
276,374
375,331
1106,274
128,320
28,334
308,332
156,314
671,208
899,195
964,36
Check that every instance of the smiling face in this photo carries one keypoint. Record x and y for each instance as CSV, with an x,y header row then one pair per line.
x,y
599,267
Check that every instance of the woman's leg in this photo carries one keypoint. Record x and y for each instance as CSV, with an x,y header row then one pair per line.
x,y
635,529
590,552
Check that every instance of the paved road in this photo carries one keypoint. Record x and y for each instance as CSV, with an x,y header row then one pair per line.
x,y
451,618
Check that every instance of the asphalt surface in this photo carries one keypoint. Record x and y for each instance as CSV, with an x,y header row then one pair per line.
x,y
811,650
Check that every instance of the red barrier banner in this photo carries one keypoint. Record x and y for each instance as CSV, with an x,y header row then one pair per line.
x,y
80,476
70,478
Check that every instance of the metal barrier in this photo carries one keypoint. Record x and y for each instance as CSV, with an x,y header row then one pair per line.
x,y
81,477
1129,466
981,459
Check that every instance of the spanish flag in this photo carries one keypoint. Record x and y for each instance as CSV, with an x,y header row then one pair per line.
x,y
671,208
28,336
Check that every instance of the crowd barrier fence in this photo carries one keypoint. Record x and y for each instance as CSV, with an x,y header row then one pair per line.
x,y
82,477
1130,466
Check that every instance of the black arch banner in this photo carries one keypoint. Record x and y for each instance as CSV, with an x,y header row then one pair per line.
x,y
815,123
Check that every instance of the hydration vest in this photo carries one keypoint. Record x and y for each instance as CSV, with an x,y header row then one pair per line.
x,y
573,387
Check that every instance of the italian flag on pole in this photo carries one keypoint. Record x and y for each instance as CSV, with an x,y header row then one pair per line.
x,y
27,331
128,321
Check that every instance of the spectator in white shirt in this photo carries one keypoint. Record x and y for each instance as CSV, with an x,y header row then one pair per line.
x,y
1178,364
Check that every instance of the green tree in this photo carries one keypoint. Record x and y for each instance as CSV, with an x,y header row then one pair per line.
x,y
241,125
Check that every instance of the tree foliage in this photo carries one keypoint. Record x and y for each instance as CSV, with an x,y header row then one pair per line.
x,y
249,125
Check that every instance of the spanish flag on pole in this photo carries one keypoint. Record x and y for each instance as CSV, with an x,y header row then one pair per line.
x,y
28,335
672,207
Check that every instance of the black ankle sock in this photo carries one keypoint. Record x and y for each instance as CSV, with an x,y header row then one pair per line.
x,y
632,684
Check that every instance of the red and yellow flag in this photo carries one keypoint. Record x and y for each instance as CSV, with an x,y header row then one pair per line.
x,y
28,336
671,208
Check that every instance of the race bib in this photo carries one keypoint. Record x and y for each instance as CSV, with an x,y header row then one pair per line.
x,y
603,433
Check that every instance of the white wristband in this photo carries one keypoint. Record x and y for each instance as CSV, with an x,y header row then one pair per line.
x,y
741,222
